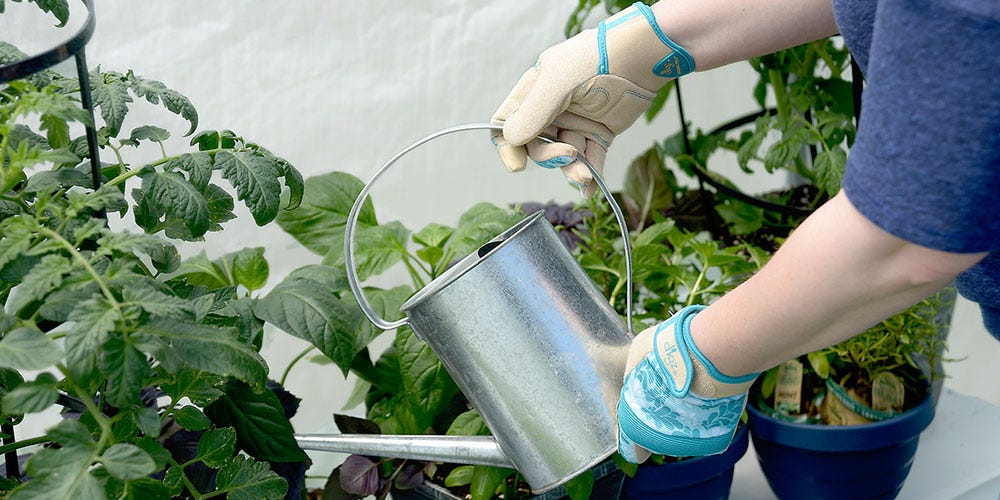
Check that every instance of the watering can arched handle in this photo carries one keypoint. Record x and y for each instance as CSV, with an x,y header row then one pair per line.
x,y
352,219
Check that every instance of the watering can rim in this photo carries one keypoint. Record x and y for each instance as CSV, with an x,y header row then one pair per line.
x,y
352,218
469,262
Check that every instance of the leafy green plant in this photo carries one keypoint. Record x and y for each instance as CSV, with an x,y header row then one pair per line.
x,y
152,358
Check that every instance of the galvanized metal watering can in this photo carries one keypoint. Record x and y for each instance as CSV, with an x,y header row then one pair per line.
x,y
528,338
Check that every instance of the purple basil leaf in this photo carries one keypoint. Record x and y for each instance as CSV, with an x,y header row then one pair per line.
x,y
354,425
360,476
410,476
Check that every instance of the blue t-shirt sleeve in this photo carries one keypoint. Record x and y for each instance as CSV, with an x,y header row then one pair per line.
x,y
926,163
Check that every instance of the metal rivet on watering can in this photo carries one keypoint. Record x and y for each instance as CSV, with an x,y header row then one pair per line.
x,y
528,338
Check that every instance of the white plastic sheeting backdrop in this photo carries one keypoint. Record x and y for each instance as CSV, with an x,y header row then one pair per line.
x,y
344,85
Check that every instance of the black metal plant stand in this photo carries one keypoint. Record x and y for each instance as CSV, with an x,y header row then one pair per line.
x,y
73,47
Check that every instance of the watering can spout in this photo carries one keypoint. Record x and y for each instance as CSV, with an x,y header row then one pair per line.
x,y
472,450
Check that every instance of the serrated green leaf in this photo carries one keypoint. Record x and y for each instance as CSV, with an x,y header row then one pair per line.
x,y
174,480
255,178
306,310
198,270
16,234
262,429
250,268
160,455
30,397
829,167
57,130
27,348
110,96
197,165
156,92
60,473
243,478
127,367
146,489
192,419
94,319
199,386
154,301
70,433
318,223
58,8
174,196
212,349
127,461
149,133
43,278
217,446
294,182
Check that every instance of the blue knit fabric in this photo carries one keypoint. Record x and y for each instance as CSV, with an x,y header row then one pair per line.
x,y
926,163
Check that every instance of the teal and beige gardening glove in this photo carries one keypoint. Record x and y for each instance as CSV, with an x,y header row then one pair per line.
x,y
674,401
585,91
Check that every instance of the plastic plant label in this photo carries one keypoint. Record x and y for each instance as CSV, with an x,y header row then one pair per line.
x,y
788,388
887,393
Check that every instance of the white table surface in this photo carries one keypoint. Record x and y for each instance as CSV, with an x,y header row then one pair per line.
x,y
958,456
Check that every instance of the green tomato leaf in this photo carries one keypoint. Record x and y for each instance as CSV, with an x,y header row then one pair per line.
x,y
307,310
110,94
127,367
262,429
197,165
71,433
27,348
829,167
216,446
155,92
198,270
255,178
250,268
127,461
199,386
149,133
192,419
243,478
59,473
212,349
30,397
155,302
318,223
171,194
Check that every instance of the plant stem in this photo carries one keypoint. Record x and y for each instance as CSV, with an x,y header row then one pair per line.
x,y
83,262
778,84
292,363
23,444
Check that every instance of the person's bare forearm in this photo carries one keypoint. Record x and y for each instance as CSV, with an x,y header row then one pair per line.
x,y
835,276
719,32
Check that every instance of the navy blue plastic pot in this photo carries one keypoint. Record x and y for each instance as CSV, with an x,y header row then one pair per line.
x,y
838,462
696,478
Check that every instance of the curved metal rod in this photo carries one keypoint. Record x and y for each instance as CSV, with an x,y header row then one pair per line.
x,y
55,55
352,219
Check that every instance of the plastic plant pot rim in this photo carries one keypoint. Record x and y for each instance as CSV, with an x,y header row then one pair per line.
x,y
818,437
691,470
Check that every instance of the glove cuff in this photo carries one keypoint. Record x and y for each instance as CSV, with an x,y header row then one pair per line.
x,y
684,365
632,40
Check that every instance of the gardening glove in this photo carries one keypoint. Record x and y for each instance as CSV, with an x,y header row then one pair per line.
x,y
674,401
585,91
